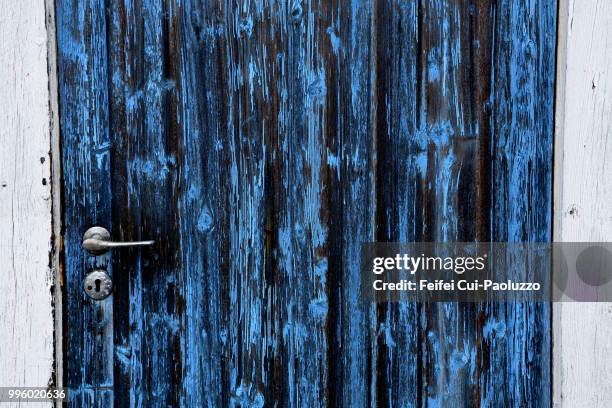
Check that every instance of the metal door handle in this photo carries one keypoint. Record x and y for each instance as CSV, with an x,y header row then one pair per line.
x,y
97,241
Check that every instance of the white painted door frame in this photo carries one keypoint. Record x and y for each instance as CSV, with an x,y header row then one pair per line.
x,y
582,332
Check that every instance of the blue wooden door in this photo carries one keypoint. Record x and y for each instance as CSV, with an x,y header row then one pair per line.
x,y
259,143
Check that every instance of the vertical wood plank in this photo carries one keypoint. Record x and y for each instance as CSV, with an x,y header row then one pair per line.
x,y
352,169
450,144
86,147
203,204
399,215
56,193
26,284
582,365
477,146
295,191
518,335
143,44
247,26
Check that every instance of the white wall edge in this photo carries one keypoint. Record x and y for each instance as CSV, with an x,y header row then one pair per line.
x,y
26,279
582,332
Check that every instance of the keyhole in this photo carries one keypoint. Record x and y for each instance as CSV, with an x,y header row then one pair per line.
x,y
97,285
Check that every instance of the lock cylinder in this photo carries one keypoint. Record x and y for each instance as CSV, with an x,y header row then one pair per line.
x,y
98,285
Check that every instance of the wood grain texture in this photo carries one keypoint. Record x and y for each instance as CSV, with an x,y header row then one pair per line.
x,y
583,187
56,195
470,159
260,143
86,142
26,312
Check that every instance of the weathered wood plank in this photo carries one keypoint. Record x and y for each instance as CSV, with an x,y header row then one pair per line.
x,y
56,194
450,148
582,363
399,215
465,151
287,50
248,54
352,165
203,206
86,146
516,365
26,281
144,48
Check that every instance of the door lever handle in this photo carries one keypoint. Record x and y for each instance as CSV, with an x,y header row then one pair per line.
x,y
97,241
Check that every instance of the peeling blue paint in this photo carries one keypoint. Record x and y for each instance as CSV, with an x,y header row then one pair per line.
x,y
260,143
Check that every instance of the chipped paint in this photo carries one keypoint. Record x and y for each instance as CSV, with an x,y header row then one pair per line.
x,y
260,143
